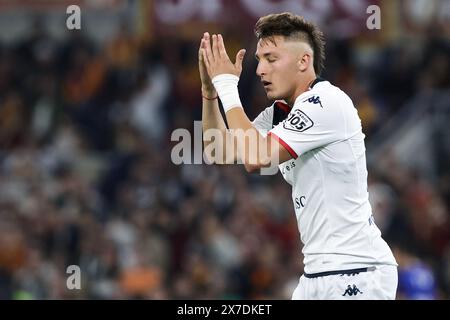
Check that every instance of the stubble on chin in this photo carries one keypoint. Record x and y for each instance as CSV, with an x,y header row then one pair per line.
x,y
273,97
270,96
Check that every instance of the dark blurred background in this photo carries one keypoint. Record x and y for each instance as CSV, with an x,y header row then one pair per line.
x,y
86,177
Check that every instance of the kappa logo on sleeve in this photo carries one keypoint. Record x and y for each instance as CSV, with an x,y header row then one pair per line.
x,y
297,121
314,100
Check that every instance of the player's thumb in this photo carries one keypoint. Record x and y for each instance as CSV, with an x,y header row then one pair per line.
x,y
239,58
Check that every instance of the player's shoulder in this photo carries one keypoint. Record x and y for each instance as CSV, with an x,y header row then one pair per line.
x,y
324,94
326,90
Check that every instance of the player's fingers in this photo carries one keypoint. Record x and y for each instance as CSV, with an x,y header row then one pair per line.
x,y
215,46
201,51
200,54
221,45
239,58
201,58
205,60
207,46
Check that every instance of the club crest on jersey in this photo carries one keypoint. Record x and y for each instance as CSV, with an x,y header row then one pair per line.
x,y
297,121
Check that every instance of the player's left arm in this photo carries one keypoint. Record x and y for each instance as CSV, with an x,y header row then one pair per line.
x,y
255,150
258,151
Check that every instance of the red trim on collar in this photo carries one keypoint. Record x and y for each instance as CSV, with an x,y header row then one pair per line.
x,y
283,106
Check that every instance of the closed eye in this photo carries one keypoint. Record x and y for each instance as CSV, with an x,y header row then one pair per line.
x,y
269,57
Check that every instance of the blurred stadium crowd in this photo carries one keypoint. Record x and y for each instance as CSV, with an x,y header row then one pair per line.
x,y
86,176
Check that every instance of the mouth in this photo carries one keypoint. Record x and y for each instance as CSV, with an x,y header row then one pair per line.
x,y
266,84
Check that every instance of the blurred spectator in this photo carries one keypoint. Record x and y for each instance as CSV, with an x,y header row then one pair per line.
x,y
416,279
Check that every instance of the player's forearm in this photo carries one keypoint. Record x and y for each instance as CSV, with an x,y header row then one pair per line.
x,y
213,125
253,148
211,117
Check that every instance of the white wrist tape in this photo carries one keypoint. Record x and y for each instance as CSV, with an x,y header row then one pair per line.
x,y
227,88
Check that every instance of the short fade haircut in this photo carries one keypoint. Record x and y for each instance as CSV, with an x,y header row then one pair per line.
x,y
296,28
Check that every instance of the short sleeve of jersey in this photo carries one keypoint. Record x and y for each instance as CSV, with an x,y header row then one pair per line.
x,y
313,122
263,122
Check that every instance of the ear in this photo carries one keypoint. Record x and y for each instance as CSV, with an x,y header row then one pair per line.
x,y
304,62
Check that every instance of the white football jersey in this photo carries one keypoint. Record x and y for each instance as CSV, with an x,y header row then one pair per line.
x,y
328,175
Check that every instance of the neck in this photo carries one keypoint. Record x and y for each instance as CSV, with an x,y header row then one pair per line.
x,y
303,86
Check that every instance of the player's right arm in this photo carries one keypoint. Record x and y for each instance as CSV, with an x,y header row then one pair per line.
x,y
212,121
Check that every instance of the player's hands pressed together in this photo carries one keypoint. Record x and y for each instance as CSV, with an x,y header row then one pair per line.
x,y
208,89
216,58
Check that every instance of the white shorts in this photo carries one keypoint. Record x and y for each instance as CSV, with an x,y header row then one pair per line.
x,y
379,283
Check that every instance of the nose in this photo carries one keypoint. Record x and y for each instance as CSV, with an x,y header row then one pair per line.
x,y
260,70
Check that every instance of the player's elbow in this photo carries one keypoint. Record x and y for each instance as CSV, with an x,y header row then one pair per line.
x,y
251,168
255,166
208,159
219,159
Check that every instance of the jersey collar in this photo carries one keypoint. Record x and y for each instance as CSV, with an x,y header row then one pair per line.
x,y
316,81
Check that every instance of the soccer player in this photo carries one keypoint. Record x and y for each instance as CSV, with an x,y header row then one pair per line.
x,y
313,131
